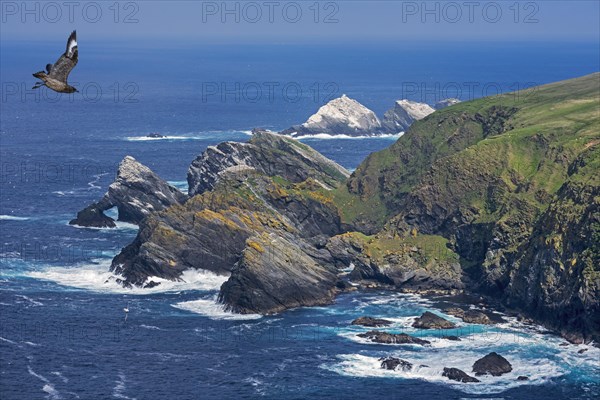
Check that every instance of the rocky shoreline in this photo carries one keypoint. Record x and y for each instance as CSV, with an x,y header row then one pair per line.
x,y
286,224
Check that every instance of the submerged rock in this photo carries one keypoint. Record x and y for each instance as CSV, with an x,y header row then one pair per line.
x,y
451,337
469,316
456,374
392,338
393,363
522,378
92,216
431,321
371,322
136,192
492,364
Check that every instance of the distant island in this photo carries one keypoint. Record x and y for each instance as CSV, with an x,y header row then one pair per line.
x,y
346,116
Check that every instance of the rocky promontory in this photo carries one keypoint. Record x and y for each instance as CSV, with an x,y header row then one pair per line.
x,y
260,212
136,192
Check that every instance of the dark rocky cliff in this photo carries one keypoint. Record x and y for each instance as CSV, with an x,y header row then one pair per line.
x,y
511,183
136,192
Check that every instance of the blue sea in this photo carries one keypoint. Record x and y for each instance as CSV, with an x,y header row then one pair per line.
x,y
63,331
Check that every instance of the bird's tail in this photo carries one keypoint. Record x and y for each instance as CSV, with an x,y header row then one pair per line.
x,y
40,75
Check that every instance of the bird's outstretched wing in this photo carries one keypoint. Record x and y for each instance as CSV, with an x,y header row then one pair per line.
x,y
61,68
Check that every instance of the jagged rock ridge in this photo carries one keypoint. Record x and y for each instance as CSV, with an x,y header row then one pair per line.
x,y
136,192
267,153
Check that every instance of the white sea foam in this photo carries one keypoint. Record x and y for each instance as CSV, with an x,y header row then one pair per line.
x,y
327,136
8,341
151,327
181,185
519,343
120,225
30,300
212,309
189,136
48,386
120,386
166,137
97,277
429,365
61,376
97,177
13,218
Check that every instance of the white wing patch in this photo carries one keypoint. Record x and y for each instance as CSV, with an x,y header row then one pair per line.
x,y
72,45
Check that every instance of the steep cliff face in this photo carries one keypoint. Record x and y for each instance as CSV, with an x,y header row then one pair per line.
x,y
275,273
422,263
493,176
136,192
557,276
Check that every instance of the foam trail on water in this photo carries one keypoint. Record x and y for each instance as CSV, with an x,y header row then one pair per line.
x,y
48,386
97,277
12,218
202,135
120,387
152,139
211,309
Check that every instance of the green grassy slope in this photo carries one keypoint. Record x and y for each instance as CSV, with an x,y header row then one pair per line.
x,y
526,139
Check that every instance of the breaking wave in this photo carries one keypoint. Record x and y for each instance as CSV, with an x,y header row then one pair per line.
x,y
97,277
210,308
